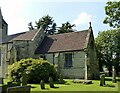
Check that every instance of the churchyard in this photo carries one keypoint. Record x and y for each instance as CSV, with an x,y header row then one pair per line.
x,y
71,85
42,60
23,79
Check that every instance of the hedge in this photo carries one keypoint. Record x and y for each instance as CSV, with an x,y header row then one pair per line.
x,y
39,69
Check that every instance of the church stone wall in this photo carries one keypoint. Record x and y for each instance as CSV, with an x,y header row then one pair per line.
x,y
3,64
26,49
92,64
78,64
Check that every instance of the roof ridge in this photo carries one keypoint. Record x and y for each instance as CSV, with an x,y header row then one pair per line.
x,y
69,32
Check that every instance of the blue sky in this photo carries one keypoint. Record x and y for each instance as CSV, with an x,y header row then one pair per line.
x,y
18,13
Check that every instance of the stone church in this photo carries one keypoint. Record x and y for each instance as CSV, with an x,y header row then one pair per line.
x,y
73,54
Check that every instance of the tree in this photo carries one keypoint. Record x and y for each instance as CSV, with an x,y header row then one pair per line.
x,y
112,10
46,22
107,49
65,28
52,29
30,26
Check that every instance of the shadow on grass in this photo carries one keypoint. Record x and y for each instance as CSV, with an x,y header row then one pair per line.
x,y
33,87
109,85
55,87
49,88
110,79
58,82
46,89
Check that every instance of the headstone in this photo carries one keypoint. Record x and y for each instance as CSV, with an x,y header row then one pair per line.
x,y
9,84
19,89
51,82
4,88
24,79
42,84
102,80
1,80
113,74
61,79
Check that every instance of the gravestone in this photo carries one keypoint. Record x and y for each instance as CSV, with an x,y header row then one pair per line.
x,y
102,80
19,89
9,84
42,84
61,79
113,74
24,79
1,79
51,82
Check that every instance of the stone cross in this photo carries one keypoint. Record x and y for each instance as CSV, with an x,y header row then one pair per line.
x,y
113,74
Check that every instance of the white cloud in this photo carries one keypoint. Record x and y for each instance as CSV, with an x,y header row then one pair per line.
x,y
83,18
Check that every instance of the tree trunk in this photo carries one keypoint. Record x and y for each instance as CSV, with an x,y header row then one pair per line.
x,y
110,69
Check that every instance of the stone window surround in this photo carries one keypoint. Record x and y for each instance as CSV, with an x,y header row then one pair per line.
x,y
69,62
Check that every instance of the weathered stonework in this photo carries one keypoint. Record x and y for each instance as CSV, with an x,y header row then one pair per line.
x,y
24,45
4,64
3,50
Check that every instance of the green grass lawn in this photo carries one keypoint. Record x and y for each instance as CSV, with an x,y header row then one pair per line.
x,y
70,86
76,87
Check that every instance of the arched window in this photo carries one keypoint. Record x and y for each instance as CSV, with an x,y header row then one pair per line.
x,y
68,60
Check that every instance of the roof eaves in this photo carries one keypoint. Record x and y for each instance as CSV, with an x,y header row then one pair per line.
x,y
60,51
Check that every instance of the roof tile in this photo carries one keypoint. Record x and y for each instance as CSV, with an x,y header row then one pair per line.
x,y
63,42
27,36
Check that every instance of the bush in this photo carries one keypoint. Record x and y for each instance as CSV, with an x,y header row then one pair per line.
x,y
39,69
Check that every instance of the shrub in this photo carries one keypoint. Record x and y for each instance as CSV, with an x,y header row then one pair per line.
x,y
39,69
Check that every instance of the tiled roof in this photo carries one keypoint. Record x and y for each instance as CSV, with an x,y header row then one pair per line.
x,y
9,38
63,42
27,36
